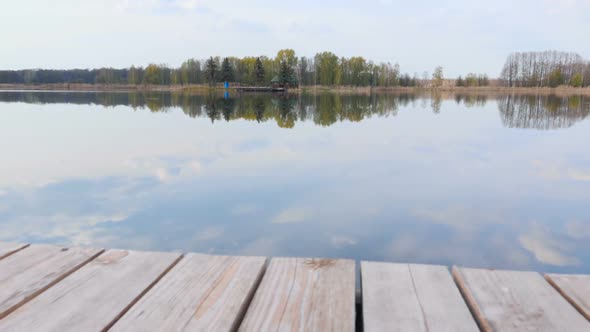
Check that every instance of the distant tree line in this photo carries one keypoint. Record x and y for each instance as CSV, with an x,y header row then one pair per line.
x,y
472,80
545,69
325,68
528,69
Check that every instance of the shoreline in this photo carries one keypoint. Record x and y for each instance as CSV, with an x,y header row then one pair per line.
x,y
559,91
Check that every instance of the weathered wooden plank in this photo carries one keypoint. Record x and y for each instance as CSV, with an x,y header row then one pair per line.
x,y
8,248
298,294
575,288
27,273
404,297
516,301
93,297
201,293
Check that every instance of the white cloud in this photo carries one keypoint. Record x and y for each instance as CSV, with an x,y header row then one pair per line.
x,y
555,7
546,249
340,241
162,174
185,170
460,217
76,229
546,171
579,175
559,170
150,6
263,246
188,4
292,215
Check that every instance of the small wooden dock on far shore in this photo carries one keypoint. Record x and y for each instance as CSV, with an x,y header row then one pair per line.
x,y
260,89
53,288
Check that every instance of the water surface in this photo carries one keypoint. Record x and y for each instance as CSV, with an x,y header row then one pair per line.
x,y
483,181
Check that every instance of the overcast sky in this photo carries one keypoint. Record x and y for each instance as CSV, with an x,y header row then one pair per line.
x,y
461,35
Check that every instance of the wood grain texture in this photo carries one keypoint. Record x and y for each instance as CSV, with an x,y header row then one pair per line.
x,y
27,273
93,297
403,297
516,301
9,248
575,288
201,293
298,294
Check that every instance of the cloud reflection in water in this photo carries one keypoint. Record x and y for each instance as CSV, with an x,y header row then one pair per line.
x,y
366,177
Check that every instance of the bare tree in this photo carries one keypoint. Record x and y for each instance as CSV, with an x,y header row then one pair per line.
x,y
536,69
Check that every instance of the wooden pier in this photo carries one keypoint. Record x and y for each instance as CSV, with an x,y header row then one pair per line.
x,y
260,89
52,288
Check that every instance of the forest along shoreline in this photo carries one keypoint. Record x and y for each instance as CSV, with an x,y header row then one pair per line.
x,y
199,88
546,72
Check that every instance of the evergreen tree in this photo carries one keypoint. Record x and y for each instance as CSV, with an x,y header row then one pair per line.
x,y
259,71
227,71
211,71
285,74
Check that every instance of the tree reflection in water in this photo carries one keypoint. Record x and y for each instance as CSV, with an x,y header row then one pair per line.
x,y
516,111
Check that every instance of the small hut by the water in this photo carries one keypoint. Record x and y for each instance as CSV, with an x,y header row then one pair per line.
x,y
275,82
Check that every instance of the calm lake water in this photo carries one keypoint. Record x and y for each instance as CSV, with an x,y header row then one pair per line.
x,y
481,181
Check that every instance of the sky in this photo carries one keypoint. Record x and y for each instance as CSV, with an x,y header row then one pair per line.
x,y
461,35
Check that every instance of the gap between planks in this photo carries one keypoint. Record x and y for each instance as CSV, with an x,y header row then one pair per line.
x,y
464,291
214,295
508,300
126,309
238,320
36,293
412,297
580,298
14,250
469,300
95,295
300,294
250,297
